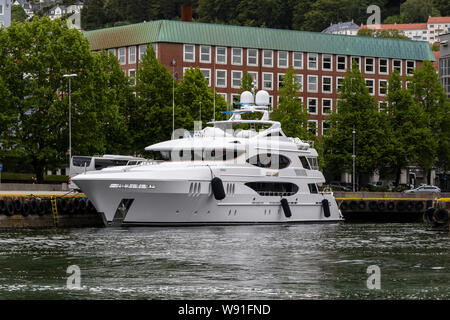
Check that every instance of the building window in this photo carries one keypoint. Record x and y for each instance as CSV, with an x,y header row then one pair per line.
x,y
327,62
252,57
122,55
358,62
370,65
113,51
327,84
339,83
254,76
221,55
189,53
297,60
280,80
207,74
131,54
370,84
382,89
341,63
142,50
382,106
312,83
325,127
282,59
383,67
299,79
327,106
267,58
221,78
235,98
205,54
267,80
224,95
1,9
236,79
312,61
312,126
132,76
236,56
397,65
312,105
410,66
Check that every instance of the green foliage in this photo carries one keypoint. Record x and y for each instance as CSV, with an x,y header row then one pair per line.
x,y
415,11
18,13
388,33
358,110
436,46
290,112
247,83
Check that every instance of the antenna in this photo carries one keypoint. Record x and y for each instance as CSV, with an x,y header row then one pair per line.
x,y
214,85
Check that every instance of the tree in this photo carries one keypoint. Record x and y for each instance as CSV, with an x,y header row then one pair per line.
x,y
409,135
358,111
414,11
18,13
290,112
247,83
388,33
38,54
429,93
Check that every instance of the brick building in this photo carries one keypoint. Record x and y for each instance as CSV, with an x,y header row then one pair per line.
x,y
223,52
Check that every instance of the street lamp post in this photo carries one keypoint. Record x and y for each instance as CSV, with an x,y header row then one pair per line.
x,y
354,158
173,96
70,76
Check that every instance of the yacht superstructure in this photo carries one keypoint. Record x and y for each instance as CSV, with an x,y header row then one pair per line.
x,y
218,175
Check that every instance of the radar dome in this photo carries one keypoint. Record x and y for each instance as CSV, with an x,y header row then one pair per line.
x,y
247,98
262,98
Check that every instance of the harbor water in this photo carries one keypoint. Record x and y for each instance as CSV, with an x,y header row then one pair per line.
x,y
304,261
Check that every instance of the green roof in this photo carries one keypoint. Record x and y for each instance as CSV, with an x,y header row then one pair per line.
x,y
250,37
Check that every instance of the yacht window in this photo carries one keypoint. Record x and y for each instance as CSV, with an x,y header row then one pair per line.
x,y
274,134
313,188
197,155
81,161
273,188
314,164
305,162
105,163
275,161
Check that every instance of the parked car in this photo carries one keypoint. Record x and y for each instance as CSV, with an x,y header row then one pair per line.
x,y
424,188
336,186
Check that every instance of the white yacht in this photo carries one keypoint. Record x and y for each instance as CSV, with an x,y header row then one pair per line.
x,y
230,173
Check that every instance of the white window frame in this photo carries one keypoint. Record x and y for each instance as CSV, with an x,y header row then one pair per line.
x,y
331,62
379,66
254,75
287,59
263,81
316,126
359,63
113,50
209,77
317,105
141,51
337,63
264,64
312,55
217,78
294,60
414,62
379,105
193,52
373,65
1,10
380,87
248,57
237,96
301,81
122,54
129,75
224,95
373,85
233,55
401,65
233,72
331,106
130,55
201,54
224,55
317,83
331,84
337,83
278,80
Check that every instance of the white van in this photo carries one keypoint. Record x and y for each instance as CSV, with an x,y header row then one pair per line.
x,y
81,164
